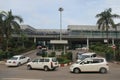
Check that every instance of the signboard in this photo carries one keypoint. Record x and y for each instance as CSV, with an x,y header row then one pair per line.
x,y
59,42
105,40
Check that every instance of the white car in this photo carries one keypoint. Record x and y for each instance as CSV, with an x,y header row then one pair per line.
x,y
90,65
17,60
86,55
45,63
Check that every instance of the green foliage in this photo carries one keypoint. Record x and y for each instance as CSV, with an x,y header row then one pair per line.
x,y
5,54
1,54
19,50
103,50
10,25
53,54
69,55
62,54
44,53
65,58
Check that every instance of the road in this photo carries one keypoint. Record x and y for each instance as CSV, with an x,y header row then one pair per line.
x,y
62,73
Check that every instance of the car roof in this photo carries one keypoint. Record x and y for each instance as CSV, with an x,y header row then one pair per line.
x,y
17,55
89,53
95,58
44,57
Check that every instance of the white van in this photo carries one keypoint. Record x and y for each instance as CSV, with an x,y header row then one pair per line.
x,y
86,55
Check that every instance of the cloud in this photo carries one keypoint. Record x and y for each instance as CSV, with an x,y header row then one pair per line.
x,y
45,14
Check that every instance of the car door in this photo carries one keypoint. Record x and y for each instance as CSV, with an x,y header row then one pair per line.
x,y
34,63
85,66
22,59
41,63
91,65
96,64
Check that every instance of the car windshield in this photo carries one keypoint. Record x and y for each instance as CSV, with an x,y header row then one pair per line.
x,y
14,58
82,57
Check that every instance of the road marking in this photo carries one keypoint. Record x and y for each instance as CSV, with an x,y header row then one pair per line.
x,y
19,79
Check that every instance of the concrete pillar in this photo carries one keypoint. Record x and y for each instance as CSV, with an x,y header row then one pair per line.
x,y
113,42
53,47
44,43
64,49
34,39
87,43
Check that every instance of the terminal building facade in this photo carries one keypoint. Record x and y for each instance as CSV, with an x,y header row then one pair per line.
x,y
78,36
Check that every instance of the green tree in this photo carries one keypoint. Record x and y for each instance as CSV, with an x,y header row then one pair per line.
x,y
105,20
1,27
23,39
11,25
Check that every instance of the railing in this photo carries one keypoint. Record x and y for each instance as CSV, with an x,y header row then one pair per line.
x,y
69,36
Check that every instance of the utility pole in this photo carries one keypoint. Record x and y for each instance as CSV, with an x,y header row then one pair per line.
x,y
60,9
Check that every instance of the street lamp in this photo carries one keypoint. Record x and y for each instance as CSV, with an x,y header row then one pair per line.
x,y
60,9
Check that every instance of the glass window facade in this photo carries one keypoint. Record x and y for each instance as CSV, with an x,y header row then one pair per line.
x,y
94,34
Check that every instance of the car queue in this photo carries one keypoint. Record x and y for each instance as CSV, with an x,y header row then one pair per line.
x,y
84,64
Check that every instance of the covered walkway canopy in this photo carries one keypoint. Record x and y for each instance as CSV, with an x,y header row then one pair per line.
x,y
61,44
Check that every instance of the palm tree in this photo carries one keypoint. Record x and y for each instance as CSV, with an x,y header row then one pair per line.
x,y
105,21
10,25
1,27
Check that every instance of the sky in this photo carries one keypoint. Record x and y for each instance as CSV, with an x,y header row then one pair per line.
x,y
44,14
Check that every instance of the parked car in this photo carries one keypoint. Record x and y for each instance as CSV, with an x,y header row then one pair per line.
x,y
41,52
86,55
17,60
46,63
90,65
79,54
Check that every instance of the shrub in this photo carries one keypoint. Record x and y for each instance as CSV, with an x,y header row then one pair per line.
x,y
52,54
63,60
1,54
69,55
19,50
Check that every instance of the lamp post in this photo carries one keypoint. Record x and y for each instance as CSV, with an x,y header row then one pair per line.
x,y
60,9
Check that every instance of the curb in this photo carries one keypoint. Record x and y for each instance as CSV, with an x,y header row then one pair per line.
x,y
64,65
2,62
115,62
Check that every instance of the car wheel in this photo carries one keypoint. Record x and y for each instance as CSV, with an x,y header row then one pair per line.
x,y
45,68
77,70
28,60
29,67
19,64
103,70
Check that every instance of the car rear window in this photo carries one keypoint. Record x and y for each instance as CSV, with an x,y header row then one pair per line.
x,y
14,58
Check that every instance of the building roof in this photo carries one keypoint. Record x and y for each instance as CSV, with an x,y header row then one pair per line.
x,y
42,31
88,27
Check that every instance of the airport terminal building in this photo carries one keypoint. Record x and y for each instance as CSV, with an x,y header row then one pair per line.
x,y
77,35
